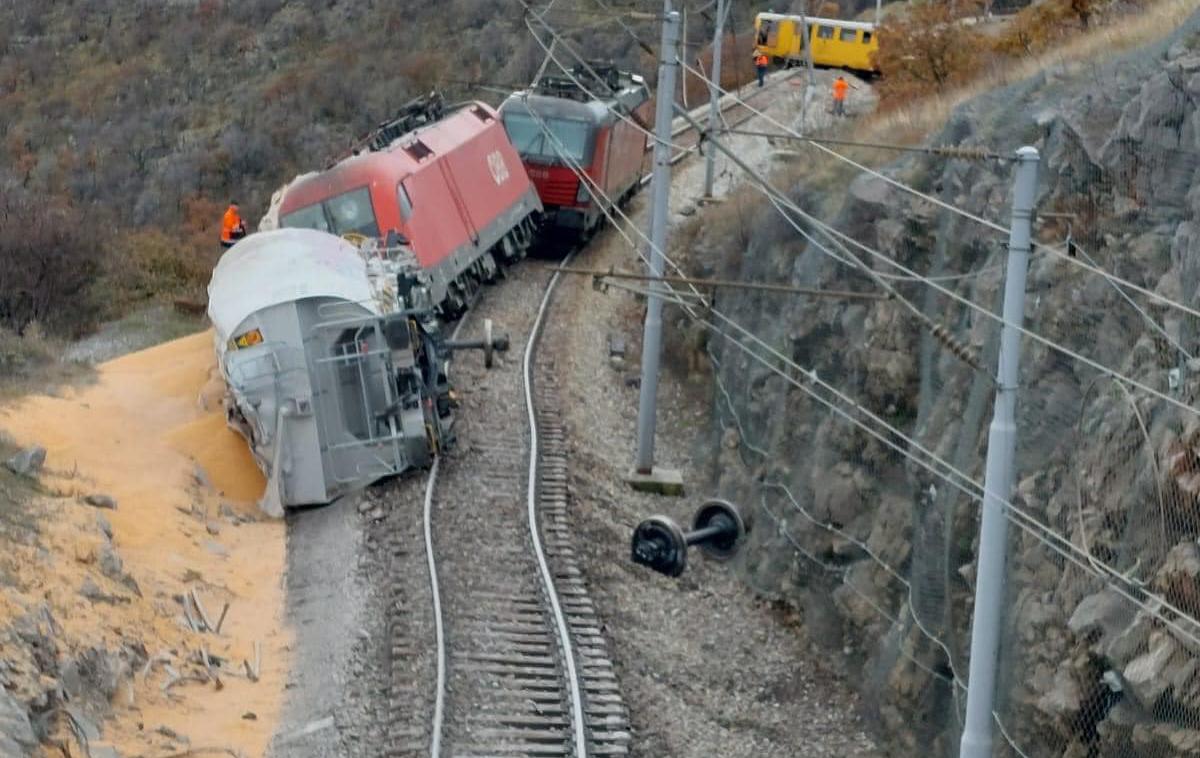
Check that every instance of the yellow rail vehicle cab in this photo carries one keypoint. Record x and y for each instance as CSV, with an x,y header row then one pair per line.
x,y
834,43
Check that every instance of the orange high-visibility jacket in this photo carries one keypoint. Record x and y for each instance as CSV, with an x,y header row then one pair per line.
x,y
230,224
761,60
839,89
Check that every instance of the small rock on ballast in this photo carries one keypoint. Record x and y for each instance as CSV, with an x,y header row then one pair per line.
x,y
28,462
90,590
101,501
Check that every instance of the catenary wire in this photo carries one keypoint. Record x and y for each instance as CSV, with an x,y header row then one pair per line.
x,y
792,206
808,139
1024,520
1054,250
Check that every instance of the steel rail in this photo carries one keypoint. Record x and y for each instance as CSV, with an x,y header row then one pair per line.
x,y
560,619
439,702
573,687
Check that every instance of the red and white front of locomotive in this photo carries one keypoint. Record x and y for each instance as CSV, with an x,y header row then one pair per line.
x,y
558,139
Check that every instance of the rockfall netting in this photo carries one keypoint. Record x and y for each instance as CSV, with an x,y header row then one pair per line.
x,y
855,431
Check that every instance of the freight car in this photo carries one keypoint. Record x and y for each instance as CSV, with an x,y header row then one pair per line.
x,y
335,370
558,126
446,183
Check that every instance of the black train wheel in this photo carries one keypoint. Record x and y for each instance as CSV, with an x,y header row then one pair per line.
x,y
658,543
725,516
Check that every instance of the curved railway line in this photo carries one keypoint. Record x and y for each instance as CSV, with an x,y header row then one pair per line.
x,y
520,666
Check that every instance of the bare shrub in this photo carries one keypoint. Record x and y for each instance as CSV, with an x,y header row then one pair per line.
x,y
1039,26
737,66
149,264
926,52
49,259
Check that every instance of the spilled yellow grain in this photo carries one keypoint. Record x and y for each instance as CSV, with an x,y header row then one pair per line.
x,y
138,434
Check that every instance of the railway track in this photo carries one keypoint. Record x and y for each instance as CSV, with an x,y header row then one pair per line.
x,y
733,113
520,666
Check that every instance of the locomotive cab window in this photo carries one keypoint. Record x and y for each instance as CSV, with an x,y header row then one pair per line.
x,y
849,35
566,136
866,38
311,217
348,212
825,32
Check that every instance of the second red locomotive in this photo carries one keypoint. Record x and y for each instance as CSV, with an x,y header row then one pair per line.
x,y
559,126
449,186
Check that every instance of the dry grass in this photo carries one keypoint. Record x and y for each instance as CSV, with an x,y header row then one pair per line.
x,y
912,123
33,363
825,177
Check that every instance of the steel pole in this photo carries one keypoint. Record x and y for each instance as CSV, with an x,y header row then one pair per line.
x,y
998,480
714,96
661,184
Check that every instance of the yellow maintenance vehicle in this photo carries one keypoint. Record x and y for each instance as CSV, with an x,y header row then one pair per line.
x,y
835,44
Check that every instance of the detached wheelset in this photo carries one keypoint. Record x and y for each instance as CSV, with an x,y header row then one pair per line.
x,y
718,529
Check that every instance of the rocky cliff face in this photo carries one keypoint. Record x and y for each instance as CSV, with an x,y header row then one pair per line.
x,y
879,551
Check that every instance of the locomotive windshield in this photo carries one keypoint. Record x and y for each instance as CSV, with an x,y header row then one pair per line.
x,y
529,137
348,212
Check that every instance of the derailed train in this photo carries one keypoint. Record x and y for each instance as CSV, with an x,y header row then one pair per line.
x,y
332,352
329,322
447,184
332,376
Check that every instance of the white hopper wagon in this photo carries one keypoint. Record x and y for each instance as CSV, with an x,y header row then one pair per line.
x,y
335,371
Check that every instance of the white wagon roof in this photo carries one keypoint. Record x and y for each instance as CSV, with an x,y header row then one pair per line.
x,y
279,266
865,26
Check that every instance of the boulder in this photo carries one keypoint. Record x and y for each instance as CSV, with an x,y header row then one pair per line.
x,y
90,590
1178,579
1145,676
1064,698
1101,616
836,498
101,501
28,462
16,733
110,563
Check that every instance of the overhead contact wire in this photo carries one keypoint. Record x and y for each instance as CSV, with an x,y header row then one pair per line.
x,y
1025,521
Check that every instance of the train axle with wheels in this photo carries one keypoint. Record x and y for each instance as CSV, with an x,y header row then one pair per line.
x,y
718,528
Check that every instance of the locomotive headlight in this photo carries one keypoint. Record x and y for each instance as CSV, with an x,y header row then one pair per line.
x,y
583,197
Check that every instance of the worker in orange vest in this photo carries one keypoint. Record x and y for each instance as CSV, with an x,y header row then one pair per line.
x,y
760,64
840,85
232,227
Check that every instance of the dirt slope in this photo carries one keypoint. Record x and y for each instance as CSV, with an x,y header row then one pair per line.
x,y
81,611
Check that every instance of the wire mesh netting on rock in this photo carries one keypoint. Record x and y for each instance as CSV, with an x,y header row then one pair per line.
x,y
857,430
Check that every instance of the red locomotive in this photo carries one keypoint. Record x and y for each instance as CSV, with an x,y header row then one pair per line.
x,y
448,185
584,132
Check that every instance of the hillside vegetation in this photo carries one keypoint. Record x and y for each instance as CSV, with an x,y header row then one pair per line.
x,y
931,48
127,125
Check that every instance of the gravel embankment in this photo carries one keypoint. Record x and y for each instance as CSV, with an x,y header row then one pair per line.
x,y
706,667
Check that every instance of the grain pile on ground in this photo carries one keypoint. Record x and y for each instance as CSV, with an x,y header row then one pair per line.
x,y
141,529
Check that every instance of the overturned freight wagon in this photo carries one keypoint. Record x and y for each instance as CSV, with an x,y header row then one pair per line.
x,y
335,371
